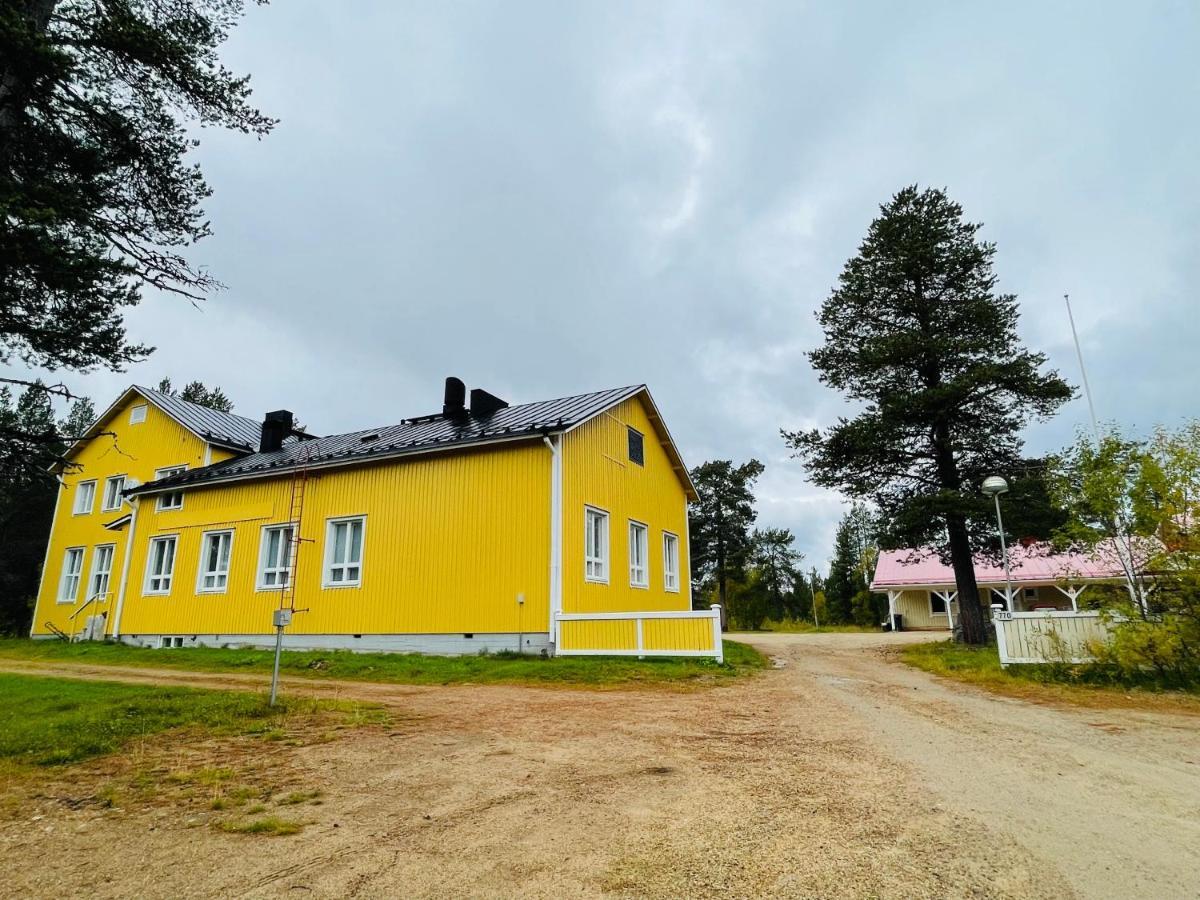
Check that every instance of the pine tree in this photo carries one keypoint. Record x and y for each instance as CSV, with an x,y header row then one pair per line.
x,y
80,417
776,559
916,334
719,523
844,581
196,392
26,500
98,198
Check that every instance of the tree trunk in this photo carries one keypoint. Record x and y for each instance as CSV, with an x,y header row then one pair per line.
x,y
970,611
36,14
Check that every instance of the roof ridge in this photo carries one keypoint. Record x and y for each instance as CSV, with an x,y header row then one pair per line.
x,y
177,399
410,420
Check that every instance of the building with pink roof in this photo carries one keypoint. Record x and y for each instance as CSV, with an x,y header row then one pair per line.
x,y
921,588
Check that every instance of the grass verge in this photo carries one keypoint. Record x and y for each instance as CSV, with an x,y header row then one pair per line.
x,y
269,825
408,668
53,721
1057,684
793,626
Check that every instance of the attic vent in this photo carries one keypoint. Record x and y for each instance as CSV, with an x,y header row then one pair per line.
x,y
367,438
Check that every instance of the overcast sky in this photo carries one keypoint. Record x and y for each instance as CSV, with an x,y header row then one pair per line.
x,y
546,199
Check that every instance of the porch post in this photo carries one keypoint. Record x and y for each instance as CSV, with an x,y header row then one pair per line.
x,y
891,610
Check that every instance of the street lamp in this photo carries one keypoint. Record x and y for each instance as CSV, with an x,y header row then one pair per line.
x,y
994,486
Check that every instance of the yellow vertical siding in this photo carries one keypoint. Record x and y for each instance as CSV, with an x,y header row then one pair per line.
x,y
914,605
135,451
597,472
451,539
606,634
677,634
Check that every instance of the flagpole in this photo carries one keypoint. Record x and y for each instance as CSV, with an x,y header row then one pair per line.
x,y
1087,389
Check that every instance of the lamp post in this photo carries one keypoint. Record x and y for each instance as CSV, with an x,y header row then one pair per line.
x,y
994,486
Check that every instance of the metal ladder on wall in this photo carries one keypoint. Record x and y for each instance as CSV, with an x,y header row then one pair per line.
x,y
287,596
287,591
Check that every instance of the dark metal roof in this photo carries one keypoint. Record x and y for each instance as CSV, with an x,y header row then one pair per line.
x,y
421,434
211,424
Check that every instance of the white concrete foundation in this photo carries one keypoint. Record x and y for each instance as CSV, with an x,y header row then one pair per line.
x,y
437,644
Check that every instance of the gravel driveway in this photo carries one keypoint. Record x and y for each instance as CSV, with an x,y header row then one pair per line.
x,y
839,774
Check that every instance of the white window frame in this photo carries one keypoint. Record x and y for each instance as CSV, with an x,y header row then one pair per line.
x,y
104,505
595,568
77,508
169,641
945,605
65,576
330,563
137,414
202,572
97,554
168,575
639,538
159,503
261,570
671,562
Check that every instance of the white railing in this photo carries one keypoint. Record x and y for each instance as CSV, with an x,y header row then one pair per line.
x,y
687,632
1047,637
89,628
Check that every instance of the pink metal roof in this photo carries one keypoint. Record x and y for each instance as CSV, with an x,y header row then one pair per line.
x,y
1035,563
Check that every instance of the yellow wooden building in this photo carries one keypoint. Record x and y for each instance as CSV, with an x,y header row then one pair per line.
x,y
559,525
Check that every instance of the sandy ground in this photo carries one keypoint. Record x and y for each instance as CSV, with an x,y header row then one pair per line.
x,y
838,774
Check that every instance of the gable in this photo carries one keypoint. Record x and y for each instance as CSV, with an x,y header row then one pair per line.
x,y
135,444
640,412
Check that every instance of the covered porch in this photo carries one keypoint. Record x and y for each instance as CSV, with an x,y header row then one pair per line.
x,y
935,607
921,588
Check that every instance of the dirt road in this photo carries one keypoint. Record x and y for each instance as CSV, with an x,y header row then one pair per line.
x,y
838,775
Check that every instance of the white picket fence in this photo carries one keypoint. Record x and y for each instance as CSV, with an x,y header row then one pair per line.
x,y
1048,636
687,632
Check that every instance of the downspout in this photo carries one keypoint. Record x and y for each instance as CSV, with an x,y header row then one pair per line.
x,y
687,537
134,502
554,444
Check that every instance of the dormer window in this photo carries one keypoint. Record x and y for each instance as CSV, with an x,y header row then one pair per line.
x,y
637,448
170,499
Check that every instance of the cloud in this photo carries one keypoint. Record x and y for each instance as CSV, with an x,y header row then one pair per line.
x,y
546,198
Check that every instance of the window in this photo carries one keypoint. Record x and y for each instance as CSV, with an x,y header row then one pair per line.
x,y
137,414
171,499
937,604
160,565
68,585
215,547
85,497
274,556
101,571
637,448
112,492
595,567
167,641
639,568
670,561
343,552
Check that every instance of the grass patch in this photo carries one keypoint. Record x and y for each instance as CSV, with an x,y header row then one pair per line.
x,y
406,668
1049,683
269,825
53,721
295,798
793,626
